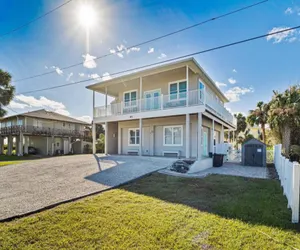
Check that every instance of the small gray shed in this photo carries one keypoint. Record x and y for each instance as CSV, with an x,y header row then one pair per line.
x,y
254,153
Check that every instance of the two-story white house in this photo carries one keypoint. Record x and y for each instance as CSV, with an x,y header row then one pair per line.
x,y
174,109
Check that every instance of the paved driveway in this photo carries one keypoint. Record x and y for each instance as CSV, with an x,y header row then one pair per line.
x,y
34,185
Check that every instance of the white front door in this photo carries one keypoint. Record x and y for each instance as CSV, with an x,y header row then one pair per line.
x,y
152,99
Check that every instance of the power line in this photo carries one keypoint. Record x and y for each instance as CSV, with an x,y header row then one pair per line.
x,y
148,41
169,60
34,20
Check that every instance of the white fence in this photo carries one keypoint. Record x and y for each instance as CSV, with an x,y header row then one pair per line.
x,y
289,176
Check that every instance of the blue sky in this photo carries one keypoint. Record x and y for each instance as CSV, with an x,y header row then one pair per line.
x,y
250,71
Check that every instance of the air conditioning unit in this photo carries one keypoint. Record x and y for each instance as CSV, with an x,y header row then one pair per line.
x,y
171,153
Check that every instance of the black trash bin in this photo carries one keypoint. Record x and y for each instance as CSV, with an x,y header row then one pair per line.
x,y
218,160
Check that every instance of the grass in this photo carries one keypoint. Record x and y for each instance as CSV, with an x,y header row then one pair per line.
x,y
12,159
164,212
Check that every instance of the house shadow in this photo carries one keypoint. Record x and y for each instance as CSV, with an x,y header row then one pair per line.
x,y
254,201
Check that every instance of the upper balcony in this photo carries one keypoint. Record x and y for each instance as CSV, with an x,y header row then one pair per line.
x,y
167,90
195,98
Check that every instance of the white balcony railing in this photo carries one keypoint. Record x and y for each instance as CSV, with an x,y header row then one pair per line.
x,y
164,102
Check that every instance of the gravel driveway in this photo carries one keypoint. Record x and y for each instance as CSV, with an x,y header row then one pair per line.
x,y
36,184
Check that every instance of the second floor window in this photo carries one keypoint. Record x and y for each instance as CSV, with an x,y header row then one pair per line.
x,y
177,90
130,98
20,122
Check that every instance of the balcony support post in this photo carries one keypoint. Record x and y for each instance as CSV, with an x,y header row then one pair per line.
x,y
199,136
9,144
52,145
106,139
222,134
141,93
1,144
93,103
105,101
119,139
20,144
187,85
187,136
212,139
94,137
141,137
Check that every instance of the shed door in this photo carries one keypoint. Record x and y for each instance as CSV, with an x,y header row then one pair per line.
x,y
254,155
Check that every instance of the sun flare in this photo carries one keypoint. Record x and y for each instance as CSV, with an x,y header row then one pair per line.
x,y
87,15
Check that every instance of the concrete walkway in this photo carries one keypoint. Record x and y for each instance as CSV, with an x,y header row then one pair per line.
x,y
33,185
227,169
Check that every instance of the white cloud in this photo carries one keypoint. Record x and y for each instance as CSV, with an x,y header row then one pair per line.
x,y
89,61
17,105
39,103
106,76
81,74
119,54
84,118
121,47
292,39
113,51
289,10
137,49
231,80
280,37
234,93
162,56
94,76
221,84
151,50
46,67
69,76
234,71
58,70
62,112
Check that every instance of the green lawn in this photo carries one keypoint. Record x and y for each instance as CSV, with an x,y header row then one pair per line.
x,y
164,212
13,159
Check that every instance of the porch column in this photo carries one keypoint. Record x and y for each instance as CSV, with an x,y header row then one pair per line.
x,y
141,93
141,136
52,145
93,104
222,134
70,145
228,136
17,145
119,139
26,144
1,145
9,144
187,86
212,137
233,137
105,101
106,139
187,136
199,135
94,137
20,145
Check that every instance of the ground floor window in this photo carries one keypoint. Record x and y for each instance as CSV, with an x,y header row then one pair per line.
x,y
133,137
173,135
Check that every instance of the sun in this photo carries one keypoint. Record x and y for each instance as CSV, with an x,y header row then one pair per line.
x,y
87,15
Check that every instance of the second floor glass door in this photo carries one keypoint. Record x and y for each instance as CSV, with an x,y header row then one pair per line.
x,y
152,99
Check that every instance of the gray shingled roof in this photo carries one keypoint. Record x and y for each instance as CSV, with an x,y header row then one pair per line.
x,y
44,114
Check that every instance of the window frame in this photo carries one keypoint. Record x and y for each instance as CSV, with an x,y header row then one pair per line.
x,y
178,93
130,101
164,136
133,129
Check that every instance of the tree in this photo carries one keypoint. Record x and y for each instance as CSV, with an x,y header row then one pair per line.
x,y
284,114
99,130
241,125
7,91
259,117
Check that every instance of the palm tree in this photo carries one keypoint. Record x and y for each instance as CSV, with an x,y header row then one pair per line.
x,y
259,117
284,113
7,91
